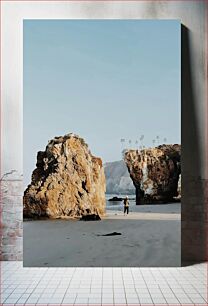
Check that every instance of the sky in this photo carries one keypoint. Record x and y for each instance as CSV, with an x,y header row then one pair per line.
x,y
105,80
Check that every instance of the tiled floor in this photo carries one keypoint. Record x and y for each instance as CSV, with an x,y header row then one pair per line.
x,y
103,286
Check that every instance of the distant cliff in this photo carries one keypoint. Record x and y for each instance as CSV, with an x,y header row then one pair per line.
x,y
155,173
118,180
68,181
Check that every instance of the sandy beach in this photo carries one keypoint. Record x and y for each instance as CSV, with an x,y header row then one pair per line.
x,y
149,236
115,215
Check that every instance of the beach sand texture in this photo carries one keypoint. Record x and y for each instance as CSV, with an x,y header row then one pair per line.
x,y
147,239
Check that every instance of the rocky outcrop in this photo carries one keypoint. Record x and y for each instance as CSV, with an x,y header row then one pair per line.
x,y
117,177
155,173
179,188
68,181
115,199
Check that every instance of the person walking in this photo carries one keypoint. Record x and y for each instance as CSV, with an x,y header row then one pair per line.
x,y
126,205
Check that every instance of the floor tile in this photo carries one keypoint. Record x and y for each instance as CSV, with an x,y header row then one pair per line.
x,y
90,285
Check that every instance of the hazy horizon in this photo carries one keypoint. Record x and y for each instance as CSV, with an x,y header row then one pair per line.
x,y
105,80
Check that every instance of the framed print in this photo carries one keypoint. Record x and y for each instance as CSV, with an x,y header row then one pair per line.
x,y
102,142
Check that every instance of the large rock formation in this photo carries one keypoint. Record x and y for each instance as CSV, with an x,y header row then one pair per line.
x,y
155,173
117,178
68,181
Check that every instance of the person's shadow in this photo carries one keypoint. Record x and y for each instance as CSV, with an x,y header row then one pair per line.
x,y
193,224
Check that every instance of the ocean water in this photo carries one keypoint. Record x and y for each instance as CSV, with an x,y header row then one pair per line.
x,y
153,208
118,205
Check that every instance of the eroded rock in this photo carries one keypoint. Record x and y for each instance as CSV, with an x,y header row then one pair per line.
x,y
68,181
155,173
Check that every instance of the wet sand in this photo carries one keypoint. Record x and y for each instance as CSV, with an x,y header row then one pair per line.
x,y
147,239
118,215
